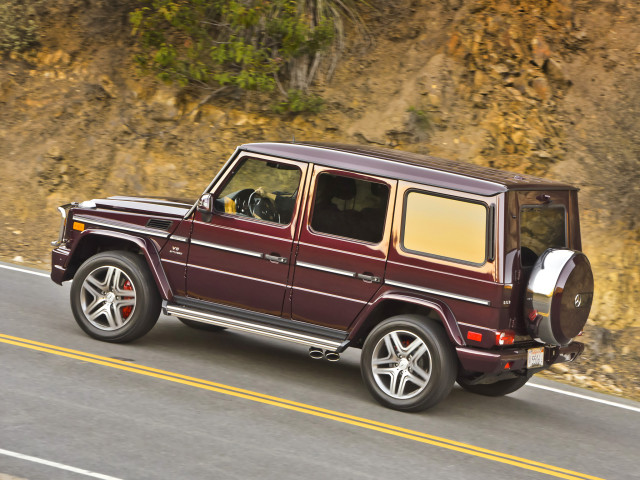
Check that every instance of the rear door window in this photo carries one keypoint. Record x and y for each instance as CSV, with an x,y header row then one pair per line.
x,y
350,207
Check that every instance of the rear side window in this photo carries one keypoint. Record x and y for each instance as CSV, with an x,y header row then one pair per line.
x,y
445,227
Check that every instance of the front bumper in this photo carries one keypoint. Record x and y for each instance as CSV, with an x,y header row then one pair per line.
x,y
499,361
59,262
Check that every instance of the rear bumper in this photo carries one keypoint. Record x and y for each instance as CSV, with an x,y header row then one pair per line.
x,y
498,361
59,262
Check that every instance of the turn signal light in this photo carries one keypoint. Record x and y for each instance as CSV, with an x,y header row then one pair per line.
x,y
505,337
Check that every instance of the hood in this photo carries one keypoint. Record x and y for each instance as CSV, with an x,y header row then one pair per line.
x,y
175,207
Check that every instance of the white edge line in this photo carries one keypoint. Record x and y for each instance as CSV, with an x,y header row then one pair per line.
x,y
57,465
584,397
23,270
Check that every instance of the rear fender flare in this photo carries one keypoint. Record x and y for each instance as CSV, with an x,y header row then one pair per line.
x,y
444,312
148,248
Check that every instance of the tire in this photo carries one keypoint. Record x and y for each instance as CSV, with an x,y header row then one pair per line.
x,y
114,297
201,326
420,370
497,389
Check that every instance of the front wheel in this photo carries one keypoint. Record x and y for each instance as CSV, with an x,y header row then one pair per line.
x,y
408,363
496,389
114,297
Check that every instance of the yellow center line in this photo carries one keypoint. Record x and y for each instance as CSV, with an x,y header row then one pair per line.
x,y
301,407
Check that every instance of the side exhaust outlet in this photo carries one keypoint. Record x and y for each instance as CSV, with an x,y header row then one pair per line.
x,y
316,353
332,356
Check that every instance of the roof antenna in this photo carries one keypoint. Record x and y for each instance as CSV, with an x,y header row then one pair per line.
x,y
294,138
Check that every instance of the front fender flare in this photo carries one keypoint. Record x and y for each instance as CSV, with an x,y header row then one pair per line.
x,y
148,248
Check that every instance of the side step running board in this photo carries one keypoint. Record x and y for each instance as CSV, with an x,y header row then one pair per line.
x,y
244,325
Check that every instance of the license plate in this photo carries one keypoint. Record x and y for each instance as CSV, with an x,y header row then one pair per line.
x,y
535,357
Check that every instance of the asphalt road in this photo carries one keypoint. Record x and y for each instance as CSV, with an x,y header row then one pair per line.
x,y
185,404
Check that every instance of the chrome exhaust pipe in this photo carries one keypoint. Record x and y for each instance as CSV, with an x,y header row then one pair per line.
x,y
332,356
316,353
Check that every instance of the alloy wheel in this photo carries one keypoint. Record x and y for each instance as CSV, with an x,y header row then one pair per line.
x,y
401,364
108,298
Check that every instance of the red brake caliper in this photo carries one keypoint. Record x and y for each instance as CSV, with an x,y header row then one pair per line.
x,y
126,311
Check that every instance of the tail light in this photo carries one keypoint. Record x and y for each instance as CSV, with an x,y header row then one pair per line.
x,y
475,336
505,337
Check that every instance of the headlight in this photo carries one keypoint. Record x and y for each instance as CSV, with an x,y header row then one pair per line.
x,y
64,209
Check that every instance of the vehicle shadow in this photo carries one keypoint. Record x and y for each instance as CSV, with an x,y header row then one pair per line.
x,y
236,354
262,364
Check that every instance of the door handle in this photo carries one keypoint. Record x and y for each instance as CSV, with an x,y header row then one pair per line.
x,y
368,277
274,258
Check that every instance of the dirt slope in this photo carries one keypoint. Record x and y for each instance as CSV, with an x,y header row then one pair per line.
x,y
545,87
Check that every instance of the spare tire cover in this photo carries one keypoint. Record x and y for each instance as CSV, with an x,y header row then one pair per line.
x,y
559,296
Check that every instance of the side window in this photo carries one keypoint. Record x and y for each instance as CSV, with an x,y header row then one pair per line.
x,y
350,207
261,189
445,227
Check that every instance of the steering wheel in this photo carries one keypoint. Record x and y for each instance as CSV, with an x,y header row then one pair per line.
x,y
263,207
242,199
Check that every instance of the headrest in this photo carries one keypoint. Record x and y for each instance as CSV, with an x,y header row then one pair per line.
x,y
379,190
343,188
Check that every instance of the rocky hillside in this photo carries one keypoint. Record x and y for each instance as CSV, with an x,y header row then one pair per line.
x,y
548,87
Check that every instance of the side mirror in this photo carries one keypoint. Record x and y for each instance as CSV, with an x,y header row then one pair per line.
x,y
205,206
205,203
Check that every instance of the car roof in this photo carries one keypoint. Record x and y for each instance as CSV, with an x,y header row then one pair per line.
x,y
412,167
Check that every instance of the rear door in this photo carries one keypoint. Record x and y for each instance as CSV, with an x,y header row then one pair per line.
x,y
343,245
241,255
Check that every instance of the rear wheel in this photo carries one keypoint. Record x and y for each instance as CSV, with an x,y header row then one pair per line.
x,y
201,326
497,389
408,363
114,297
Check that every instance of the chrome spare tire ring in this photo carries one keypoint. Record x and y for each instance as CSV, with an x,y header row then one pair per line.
x,y
559,296
108,298
401,364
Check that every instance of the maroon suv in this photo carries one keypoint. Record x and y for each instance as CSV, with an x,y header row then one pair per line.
x,y
439,271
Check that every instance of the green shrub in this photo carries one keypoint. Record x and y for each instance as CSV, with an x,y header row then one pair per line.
x,y
18,27
421,119
299,102
247,44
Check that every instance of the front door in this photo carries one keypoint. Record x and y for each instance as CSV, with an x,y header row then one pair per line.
x,y
241,255
343,246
